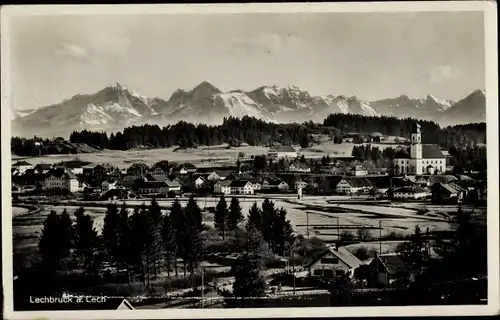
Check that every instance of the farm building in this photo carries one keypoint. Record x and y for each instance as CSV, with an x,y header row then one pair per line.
x,y
385,269
334,263
61,179
22,166
222,187
187,168
358,171
43,168
150,187
353,185
284,152
219,175
447,193
241,187
299,167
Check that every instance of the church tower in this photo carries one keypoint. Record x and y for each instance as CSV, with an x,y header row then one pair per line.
x,y
416,143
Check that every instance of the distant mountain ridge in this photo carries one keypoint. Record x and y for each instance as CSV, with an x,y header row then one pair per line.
x,y
117,106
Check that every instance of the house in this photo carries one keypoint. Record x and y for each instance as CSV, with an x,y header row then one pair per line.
x,y
284,152
62,179
358,171
241,187
102,170
218,175
199,182
299,167
150,187
22,166
423,158
447,193
353,185
75,166
108,185
42,168
173,185
275,184
160,171
384,183
223,187
385,269
187,168
300,184
14,172
334,263
409,193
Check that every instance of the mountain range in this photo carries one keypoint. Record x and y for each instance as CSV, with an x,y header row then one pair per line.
x,y
117,106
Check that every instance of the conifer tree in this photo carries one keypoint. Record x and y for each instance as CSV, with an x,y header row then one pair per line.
x,y
254,218
221,216
235,215
110,233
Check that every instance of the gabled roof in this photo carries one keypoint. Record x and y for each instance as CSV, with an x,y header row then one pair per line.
x,y
441,178
429,151
358,182
188,166
343,255
393,263
43,166
60,172
224,183
21,163
224,174
172,183
149,184
161,165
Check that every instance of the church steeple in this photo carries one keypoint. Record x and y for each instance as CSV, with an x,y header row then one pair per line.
x,y
416,143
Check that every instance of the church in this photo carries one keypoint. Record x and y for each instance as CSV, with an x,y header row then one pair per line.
x,y
423,158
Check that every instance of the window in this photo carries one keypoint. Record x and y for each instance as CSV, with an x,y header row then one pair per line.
x,y
328,273
318,272
339,273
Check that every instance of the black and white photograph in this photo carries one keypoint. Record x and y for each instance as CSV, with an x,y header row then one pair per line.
x,y
202,160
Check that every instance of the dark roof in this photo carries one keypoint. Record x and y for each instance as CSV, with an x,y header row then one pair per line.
x,y
429,151
409,190
149,184
381,182
188,166
162,165
342,254
239,183
393,263
441,178
224,183
43,166
21,163
59,172
358,182
223,173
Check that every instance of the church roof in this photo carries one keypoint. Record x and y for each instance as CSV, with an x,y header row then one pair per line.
x,y
429,151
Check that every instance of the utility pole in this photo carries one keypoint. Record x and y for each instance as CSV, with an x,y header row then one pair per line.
x,y
380,236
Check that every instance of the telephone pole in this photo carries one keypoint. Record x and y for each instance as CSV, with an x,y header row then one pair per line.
x,y
307,224
380,236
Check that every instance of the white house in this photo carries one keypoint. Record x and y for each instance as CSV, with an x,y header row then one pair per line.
x,y
334,263
410,193
222,187
22,166
218,175
107,185
241,187
299,167
359,171
423,158
283,152
61,179
173,185
352,185
199,182
187,168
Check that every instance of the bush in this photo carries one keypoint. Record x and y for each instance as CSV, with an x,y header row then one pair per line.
x,y
361,253
364,234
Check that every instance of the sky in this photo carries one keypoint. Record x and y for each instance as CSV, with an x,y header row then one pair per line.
x,y
370,55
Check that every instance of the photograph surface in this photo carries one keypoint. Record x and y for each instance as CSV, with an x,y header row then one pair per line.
x,y
265,156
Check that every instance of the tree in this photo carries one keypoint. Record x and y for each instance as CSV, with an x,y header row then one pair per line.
x,y
178,224
254,218
86,240
235,216
53,246
221,216
110,233
139,244
124,240
169,243
193,213
268,219
155,219
282,233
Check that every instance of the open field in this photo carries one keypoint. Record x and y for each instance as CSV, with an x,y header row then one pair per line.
x,y
27,228
203,156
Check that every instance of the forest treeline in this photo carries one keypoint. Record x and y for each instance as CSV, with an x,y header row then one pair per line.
x,y
252,131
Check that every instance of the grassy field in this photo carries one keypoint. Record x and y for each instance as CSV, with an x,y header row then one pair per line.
x,y
203,156
27,228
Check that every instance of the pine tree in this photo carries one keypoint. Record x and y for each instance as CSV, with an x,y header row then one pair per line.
x,y
193,246
179,225
235,215
169,243
193,213
124,240
268,219
86,240
66,231
52,245
139,239
110,233
221,216
254,218
155,219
